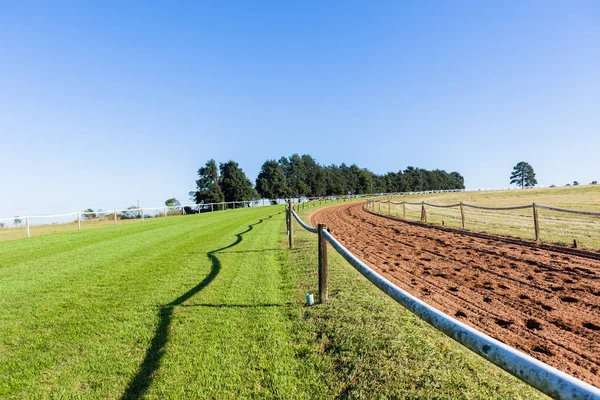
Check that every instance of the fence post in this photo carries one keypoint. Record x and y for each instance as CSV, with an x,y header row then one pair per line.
x,y
211,207
380,206
287,221
115,215
27,225
389,207
142,214
423,213
536,223
323,287
462,215
165,211
79,221
404,209
291,227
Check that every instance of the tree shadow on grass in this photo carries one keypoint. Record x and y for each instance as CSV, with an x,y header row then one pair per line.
x,y
138,386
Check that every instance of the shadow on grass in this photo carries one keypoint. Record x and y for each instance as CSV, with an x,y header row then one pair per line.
x,y
138,386
268,305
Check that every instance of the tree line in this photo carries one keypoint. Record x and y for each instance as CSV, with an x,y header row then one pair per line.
x,y
301,176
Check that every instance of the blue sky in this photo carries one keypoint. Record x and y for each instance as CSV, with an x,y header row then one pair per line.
x,y
105,103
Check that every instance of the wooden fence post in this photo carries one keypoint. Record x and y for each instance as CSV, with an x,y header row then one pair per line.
x,y
462,215
536,223
287,221
389,207
323,286
404,209
115,215
291,225
27,225
380,206
142,213
423,213
79,221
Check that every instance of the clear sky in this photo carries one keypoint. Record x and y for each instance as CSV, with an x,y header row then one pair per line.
x,y
104,103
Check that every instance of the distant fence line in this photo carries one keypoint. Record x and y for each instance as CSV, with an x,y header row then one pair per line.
x,y
182,209
534,208
541,376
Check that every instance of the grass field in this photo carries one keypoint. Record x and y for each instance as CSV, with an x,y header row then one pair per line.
x,y
212,306
555,227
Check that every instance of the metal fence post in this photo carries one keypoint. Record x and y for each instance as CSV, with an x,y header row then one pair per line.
x,y
323,285
536,223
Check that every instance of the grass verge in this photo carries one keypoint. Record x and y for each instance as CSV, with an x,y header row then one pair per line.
x,y
212,306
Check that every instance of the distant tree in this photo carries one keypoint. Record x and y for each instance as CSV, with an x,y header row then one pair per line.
x,y
130,213
2,225
89,214
315,177
575,183
568,184
173,202
271,182
18,221
594,183
235,184
295,175
207,186
552,186
523,175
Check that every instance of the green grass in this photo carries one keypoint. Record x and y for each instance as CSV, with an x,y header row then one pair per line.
x,y
555,227
211,306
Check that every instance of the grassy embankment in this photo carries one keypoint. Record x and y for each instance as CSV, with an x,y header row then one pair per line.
x,y
555,227
211,306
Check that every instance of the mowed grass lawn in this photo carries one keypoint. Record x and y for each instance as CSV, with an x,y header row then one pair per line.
x,y
212,306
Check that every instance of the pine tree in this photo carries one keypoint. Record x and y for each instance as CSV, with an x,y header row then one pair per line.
x,y
523,175
207,186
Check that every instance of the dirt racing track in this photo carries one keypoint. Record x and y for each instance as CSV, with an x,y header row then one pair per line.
x,y
542,302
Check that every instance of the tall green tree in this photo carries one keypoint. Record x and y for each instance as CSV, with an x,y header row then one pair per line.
x,y
207,185
234,183
271,182
172,202
523,175
295,174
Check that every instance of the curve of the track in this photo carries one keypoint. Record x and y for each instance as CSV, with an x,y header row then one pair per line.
x,y
544,303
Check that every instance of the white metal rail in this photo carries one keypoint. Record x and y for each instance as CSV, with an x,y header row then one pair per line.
x,y
541,376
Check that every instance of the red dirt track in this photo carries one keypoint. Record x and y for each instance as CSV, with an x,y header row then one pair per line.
x,y
542,302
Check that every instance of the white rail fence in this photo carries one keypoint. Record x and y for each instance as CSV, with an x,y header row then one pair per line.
x,y
107,217
541,376
115,215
